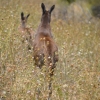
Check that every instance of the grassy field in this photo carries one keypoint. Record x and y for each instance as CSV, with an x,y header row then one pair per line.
x,y
77,75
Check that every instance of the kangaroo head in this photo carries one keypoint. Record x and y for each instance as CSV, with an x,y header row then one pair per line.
x,y
46,14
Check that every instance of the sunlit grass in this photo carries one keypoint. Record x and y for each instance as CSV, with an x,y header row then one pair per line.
x,y
77,75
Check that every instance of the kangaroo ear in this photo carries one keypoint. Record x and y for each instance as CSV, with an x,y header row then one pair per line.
x,y
52,8
27,15
22,16
43,8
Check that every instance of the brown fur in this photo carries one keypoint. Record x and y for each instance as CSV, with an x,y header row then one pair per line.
x,y
45,48
26,32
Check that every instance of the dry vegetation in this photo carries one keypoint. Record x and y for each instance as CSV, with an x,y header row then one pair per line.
x,y
77,75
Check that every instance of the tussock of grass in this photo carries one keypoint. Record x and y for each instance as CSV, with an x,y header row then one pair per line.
x,y
77,75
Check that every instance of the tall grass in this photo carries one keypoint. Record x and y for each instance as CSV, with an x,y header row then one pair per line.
x,y
77,75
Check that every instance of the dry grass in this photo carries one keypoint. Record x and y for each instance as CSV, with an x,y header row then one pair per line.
x,y
77,75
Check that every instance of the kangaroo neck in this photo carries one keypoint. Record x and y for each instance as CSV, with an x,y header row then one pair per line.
x,y
23,25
